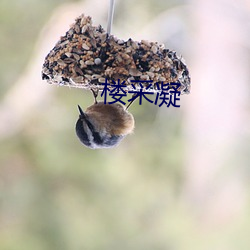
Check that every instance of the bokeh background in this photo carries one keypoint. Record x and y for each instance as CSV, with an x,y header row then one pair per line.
x,y
180,182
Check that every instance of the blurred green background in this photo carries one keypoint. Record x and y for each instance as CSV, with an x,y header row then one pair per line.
x,y
181,181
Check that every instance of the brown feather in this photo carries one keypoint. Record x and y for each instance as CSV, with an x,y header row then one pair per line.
x,y
112,118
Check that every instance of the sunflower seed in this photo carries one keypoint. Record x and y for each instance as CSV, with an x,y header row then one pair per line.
x,y
77,57
154,49
150,74
88,62
69,60
134,72
85,46
77,29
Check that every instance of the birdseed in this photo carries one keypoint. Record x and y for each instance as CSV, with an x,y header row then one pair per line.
x,y
86,56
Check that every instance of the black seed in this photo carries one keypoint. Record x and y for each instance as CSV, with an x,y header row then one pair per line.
x,y
45,77
173,73
135,57
144,65
63,56
65,79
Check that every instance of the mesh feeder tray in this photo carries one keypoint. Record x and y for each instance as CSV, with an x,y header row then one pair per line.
x,y
87,56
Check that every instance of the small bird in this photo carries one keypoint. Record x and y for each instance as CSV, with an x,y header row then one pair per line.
x,y
103,125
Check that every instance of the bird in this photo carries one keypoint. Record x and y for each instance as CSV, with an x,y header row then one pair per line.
x,y
103,125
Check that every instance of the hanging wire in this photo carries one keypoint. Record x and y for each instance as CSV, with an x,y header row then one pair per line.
x,y
110,15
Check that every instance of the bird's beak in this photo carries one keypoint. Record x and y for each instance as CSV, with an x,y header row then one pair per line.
x,y
82,115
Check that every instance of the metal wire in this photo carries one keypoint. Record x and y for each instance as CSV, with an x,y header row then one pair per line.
x,y
110,15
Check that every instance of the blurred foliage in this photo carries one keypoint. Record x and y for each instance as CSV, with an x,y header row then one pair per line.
x,y
20,24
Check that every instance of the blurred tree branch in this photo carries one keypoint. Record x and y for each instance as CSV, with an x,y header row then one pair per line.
x,y
217,118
